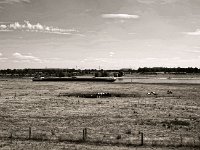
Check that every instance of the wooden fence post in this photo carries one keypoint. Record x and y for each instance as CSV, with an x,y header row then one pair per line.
x,y
85,134
11,136
142,138
194,143
29,133
181,140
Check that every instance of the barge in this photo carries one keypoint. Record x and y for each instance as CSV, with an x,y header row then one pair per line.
x,y
87,79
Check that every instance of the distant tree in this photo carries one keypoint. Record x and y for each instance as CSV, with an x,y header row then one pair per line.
x,y
115,74
104,74
60,74
120,74
97,74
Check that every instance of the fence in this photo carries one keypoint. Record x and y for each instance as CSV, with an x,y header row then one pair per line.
x,y
89,136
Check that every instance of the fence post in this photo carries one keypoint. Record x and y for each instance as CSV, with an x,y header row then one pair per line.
x,y
11,136
194,143
181,138
29,133
142,138
85,134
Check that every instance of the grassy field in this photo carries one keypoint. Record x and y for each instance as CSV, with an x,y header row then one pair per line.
x,y
167,121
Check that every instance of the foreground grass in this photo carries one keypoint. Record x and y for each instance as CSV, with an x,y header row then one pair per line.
x,y
67,146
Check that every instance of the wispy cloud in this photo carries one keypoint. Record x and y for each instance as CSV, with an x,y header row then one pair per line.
x,y
29,58
93,60
26,58
111,54
13,1
192,51
132,33
157,1
119,16
5,30
3,26
146,1
28,27
197,32
2,59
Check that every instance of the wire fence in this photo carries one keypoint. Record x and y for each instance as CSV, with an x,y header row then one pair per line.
x,y
94,137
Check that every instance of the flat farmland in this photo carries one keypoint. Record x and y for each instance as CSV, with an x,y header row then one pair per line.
x,y
34,115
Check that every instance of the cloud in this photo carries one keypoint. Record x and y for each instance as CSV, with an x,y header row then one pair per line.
x,y
10,2
94,60
26,58
30,58
111,54
192,51
2,59
28,27
146,1
5,30
13,1
3,26
157,1
197,32
131,33
119,16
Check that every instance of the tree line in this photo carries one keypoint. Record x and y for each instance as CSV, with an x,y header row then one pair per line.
x,y
169,70
58,72
94,72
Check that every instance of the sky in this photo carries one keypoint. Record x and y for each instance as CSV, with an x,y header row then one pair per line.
x,y
110,34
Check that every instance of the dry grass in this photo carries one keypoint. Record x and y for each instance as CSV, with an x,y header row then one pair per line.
x,y
165,120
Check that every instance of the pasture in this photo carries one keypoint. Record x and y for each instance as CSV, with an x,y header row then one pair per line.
x,y
35,115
